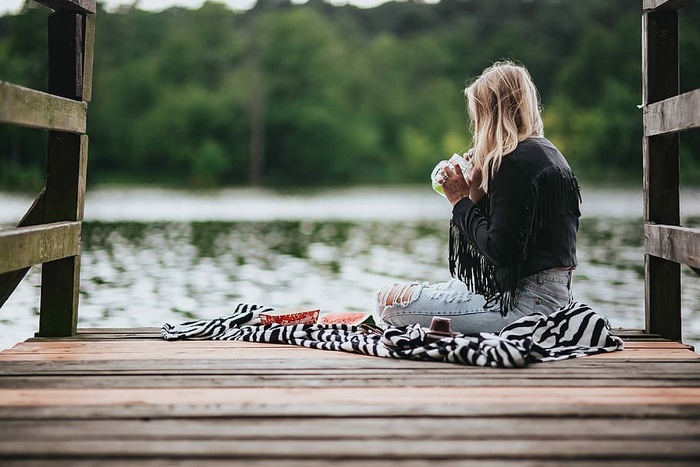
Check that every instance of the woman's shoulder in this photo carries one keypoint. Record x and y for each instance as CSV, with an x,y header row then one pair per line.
x,y
535,144
536,153
533,159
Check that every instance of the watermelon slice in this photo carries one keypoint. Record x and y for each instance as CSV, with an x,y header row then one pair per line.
x,y
289,316
353,318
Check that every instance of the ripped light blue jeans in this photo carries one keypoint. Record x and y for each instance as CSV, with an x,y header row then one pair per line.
x,y
415,302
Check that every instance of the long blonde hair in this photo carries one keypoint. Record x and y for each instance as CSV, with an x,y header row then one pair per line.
x,y
504,109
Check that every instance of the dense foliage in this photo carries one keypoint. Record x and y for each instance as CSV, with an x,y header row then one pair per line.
x,y
313,94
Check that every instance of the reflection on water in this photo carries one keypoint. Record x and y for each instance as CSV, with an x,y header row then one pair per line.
x,y
202,268
140,273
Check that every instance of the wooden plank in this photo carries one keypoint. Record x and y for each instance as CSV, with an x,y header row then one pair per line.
x,y
389,395
664,4
347,380
159,355
311,428
676,368
381,462
325,360
81,6
679,370
166,350
591,449
674,114
35,109
10,280
211,348
66,54
205,348
186,410
26,246
677,244
88,55
184,353
648,354
393,431
35,213
416,461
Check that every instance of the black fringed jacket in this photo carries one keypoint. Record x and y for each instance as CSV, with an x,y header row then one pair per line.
x,y
527,223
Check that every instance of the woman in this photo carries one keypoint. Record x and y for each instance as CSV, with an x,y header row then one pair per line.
x,y
514,218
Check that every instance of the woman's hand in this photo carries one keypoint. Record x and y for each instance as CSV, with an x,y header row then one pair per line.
x,y
454,184
457,187
474,181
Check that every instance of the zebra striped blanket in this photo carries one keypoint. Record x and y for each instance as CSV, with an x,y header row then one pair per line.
x,y
572,331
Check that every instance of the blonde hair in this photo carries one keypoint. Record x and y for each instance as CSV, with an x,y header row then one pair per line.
x,y
504,109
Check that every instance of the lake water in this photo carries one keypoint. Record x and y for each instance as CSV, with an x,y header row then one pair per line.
x,y
152,256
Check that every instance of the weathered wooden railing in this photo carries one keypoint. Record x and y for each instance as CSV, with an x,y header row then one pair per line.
x,y
667,245
49,233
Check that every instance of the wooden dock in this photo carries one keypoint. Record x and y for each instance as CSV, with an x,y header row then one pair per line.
x,y
127,397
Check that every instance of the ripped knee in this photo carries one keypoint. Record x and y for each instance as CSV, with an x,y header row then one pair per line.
x,y
397,294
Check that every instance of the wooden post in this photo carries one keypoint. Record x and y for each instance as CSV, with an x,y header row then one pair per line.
x,y
60,283
66,54
66,168
661,172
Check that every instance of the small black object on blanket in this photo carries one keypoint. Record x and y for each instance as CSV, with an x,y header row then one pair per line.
x,y
571,331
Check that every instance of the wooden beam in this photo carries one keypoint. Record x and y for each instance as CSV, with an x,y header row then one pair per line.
x,y
30,108
10,280
662,298
660,69
27,246
661,167
664,4
66,54
65,195
66,169
673,114
79,6
60,286
677,244
88,55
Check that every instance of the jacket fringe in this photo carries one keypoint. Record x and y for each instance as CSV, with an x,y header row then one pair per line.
x,y
554,191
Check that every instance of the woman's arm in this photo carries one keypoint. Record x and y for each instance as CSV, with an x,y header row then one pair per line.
x,y
497,236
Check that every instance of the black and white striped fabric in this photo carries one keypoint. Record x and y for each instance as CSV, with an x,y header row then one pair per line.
x,y
573,331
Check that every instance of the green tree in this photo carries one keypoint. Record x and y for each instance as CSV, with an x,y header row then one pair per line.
x,y
315,94
311,138
593,115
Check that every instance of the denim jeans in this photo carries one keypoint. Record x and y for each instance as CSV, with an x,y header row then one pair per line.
x,y
415,302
